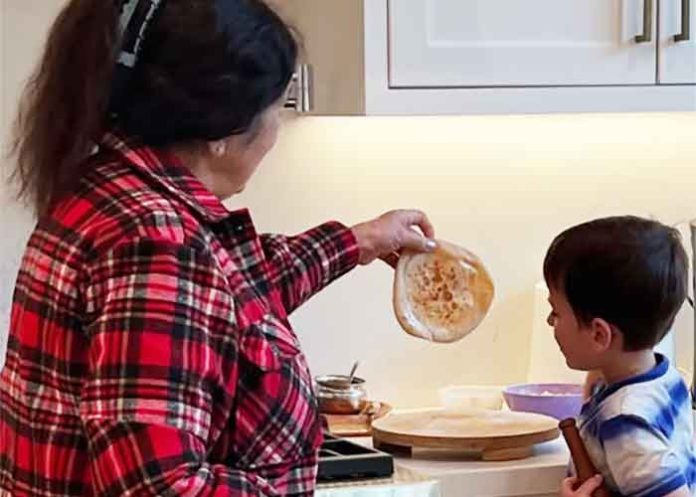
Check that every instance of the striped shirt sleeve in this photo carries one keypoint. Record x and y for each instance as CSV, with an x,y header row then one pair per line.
x,y
640,458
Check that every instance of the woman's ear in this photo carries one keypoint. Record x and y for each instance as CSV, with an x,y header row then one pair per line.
x,y
603,336
218,148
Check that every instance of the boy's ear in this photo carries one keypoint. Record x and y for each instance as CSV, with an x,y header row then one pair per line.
x,y
602,334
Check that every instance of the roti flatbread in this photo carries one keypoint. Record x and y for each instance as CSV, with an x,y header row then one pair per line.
x,y
443,295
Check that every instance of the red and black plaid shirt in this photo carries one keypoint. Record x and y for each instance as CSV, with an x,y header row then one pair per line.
x,y
150,351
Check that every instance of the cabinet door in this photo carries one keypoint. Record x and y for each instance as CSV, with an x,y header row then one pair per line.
x,y
677,42
498,43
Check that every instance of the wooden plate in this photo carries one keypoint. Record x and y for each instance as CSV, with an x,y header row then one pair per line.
x,y
495,435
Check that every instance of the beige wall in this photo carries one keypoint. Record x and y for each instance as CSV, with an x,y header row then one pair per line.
x,y
501,186
22,27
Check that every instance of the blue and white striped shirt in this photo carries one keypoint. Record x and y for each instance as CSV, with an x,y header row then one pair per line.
x,y
639,433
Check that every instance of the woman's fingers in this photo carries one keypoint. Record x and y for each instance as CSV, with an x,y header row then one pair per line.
x,y
418,218
413,240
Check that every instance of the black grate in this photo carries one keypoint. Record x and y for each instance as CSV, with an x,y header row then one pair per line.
x,y
341,459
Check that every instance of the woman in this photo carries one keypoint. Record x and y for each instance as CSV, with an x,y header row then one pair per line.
x,y
150,351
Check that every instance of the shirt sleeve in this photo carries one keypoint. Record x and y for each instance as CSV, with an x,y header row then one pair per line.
x,y
161,361
304,264
640,458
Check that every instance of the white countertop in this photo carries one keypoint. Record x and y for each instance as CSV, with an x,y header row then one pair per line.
x,y
404,483
540,474
459,476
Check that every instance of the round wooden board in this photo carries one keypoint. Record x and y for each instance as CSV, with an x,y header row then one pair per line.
x,y
496,435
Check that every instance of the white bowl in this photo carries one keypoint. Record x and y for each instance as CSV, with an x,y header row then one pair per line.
x,y
467,397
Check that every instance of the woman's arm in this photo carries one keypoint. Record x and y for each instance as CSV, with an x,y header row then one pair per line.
x,y
304,264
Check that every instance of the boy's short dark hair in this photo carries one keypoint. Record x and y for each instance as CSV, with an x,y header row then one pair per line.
x,y
629,271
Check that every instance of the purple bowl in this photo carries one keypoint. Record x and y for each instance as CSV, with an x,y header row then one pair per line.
x,y
558,400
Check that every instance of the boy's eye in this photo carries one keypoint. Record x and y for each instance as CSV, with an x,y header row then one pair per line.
x,y
551,319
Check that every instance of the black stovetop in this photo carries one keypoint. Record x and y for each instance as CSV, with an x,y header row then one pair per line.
x,y
341,459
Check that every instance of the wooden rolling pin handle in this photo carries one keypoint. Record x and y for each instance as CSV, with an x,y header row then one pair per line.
x,y
584,467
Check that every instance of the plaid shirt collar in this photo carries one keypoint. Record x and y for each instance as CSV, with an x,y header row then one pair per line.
x,y
168,171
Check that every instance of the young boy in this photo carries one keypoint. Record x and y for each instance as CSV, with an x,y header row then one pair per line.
x,y
615,286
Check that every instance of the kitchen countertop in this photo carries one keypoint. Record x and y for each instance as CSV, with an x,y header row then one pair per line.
x,y
404,483
457,476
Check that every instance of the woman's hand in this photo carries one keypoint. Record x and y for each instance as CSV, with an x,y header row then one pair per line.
x,y
386,236
585,490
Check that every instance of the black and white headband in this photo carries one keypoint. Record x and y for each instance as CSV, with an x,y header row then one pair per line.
x,y
134,18
132,24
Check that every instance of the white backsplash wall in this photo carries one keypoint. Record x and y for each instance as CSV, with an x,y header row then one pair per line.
x,y
501,186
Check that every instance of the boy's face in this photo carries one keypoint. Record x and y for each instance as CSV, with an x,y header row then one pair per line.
x,y
574,339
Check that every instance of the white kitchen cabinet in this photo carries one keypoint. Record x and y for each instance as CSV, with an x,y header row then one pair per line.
x,y
677,47
400,57
465,43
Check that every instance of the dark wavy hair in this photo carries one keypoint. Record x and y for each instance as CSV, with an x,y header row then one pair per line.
x,y
207,69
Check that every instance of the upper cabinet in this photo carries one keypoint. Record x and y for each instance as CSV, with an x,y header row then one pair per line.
x,y
397,57
677,47
489,43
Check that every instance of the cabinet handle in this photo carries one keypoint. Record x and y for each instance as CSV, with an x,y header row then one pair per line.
x,y
647,22
300,92
685,34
